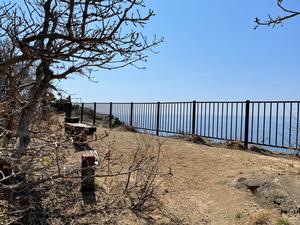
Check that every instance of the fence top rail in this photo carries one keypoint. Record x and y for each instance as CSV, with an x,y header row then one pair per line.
x,y
275,101
189,102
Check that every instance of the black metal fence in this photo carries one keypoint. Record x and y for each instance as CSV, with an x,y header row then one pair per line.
x,y
268,123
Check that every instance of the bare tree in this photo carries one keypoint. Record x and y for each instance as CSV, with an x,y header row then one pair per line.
x,y
62,37
271,21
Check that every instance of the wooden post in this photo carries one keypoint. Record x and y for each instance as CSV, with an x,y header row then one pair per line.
x,y
88,172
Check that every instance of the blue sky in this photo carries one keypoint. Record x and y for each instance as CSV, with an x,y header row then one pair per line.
x,y
211,52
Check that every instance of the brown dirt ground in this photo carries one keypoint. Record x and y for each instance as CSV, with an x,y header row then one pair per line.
x,y
202,190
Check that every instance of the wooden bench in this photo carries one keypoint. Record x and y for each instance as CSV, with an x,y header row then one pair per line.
x,y
79,131
71,119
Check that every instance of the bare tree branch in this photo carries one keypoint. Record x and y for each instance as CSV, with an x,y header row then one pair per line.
x,y
279,19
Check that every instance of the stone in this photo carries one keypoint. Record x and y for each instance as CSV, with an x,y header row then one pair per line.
x,y
291,184
268,192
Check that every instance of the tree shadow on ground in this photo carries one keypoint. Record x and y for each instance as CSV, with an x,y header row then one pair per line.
x,y
25,207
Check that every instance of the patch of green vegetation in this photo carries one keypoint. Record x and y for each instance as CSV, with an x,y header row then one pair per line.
x,y
283,221
238,216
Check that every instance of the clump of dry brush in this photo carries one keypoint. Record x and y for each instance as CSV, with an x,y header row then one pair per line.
x,y
43,186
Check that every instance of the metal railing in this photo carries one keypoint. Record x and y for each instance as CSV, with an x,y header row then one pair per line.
x,y
268,123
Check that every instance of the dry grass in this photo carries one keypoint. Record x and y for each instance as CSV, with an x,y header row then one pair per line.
x,y
201,190
202,187
263,217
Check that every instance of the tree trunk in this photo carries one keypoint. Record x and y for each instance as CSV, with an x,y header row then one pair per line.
x,y
43,78
23,137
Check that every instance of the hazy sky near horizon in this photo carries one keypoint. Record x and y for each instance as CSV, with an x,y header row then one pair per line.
x,y
211,52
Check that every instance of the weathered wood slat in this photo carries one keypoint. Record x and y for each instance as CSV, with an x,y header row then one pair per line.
x,y
79,131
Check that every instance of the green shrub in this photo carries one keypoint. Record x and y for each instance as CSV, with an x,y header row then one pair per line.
x,y
283,221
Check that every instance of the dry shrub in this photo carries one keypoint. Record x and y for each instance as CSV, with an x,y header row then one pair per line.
x,y
130,182
260,150
197,140
262,217
145,173
235,145
127,128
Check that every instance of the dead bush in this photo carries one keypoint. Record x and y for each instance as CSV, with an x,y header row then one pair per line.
x,y
262,217
50,191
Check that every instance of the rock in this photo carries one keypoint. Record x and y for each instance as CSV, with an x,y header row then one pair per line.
x,y
268,192
291,184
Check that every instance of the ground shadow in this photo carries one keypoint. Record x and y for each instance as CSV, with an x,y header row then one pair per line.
x,y
88,197
26,208
79,147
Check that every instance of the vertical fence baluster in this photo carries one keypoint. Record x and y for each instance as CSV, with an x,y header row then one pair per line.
x,y
169,117
150,116
290,131
218,109
82,111
157,118
186,113
242,113
283,125
110,113
236,119
264,123
208,120
222,118
297,129
176,117
194,118
258,114
180,120
270,125
252,122
94,116
231,118
131,114
276,133
213,120
201,119
247,115
197,118
226,132
205,118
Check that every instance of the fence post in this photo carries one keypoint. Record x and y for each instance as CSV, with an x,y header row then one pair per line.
x,y
247,115
81,115
194,118
110,114
94,116
131,113
157,118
